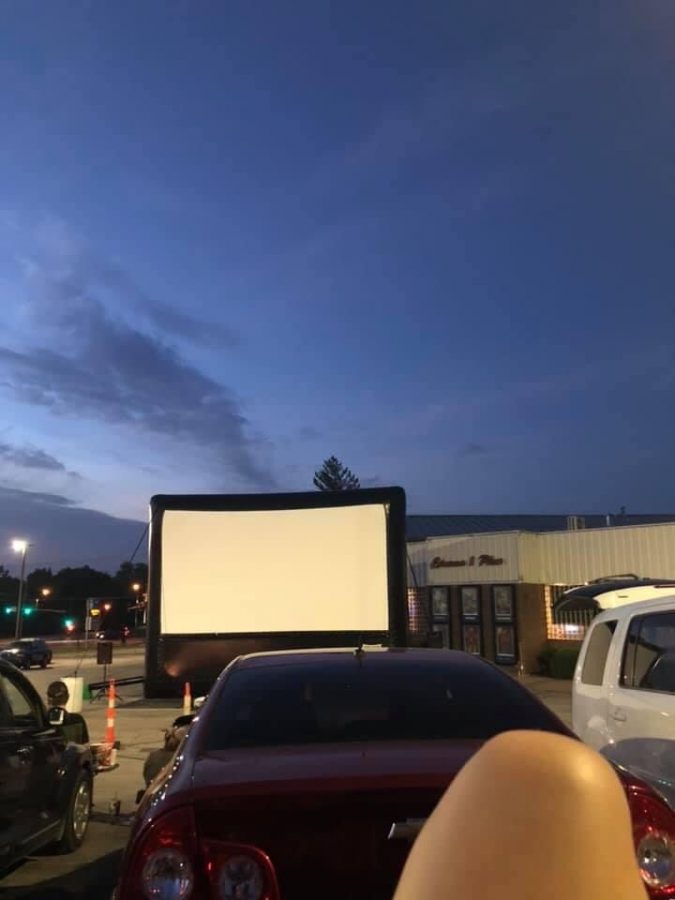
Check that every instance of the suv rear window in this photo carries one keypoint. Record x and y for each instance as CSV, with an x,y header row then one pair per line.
x,y
597,650
301,704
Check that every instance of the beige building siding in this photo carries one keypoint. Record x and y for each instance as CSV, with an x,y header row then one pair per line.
x,y
573,557
563,557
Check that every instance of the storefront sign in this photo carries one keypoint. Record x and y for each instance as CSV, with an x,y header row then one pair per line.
x,y
484,559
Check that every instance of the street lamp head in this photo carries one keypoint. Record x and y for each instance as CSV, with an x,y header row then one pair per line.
x,y
19,546
46,592
135,587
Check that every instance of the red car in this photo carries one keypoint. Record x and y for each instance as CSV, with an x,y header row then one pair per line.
x,y
308,774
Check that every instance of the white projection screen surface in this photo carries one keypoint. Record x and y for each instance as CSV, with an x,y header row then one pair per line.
x,y
235,572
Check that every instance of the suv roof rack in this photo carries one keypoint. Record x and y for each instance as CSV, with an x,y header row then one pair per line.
x,y
628,576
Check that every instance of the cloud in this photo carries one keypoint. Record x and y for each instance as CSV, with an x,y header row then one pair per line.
x,y
30,458
473,449
65,254
309,434
441,118
34,498
112,372
62,534
165,318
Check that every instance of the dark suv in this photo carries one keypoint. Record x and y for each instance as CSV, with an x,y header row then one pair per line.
x,y
45,781
28,652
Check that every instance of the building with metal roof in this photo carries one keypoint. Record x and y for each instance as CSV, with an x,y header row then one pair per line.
x,y
492,585
421,527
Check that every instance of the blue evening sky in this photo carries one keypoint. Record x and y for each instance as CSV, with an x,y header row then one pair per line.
x,y
434,239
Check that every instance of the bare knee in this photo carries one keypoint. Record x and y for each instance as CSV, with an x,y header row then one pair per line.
x,y
532,814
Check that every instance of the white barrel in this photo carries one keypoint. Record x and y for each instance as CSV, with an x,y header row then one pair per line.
x,y
76,690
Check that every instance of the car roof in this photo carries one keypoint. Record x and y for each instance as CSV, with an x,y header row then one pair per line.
x,y
659,604
610,592
346,656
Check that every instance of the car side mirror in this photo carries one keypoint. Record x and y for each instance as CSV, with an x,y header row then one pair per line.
x,y
56,715
183,721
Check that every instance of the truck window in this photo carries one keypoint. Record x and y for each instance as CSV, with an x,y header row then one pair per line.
x,y
21,706
599,642
649,654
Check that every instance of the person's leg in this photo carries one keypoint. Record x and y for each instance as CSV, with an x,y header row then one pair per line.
x,y
532,815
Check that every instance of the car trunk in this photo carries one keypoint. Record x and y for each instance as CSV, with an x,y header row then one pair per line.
x,y
323,815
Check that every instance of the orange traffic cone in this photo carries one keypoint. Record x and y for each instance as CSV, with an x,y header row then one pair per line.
x,y
110,721
187,700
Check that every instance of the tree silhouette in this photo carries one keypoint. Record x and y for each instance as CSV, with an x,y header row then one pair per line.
x,y
333,476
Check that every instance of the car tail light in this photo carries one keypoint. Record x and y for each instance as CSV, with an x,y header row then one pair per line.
x,y
168,862
167,875
654,837
165,862
240,872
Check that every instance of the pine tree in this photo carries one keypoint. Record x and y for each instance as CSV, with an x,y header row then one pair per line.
x,y
333,476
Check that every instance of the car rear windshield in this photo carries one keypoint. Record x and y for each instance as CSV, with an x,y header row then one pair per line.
x,y
297,704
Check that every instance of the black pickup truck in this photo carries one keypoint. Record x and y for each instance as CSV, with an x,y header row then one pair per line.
x,y
45,780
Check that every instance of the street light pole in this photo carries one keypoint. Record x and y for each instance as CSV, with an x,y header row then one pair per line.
x,y
136,589
22,548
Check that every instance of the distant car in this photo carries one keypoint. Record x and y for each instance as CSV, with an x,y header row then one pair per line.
x,y
107,635
623,699
45,781
27,652
309,774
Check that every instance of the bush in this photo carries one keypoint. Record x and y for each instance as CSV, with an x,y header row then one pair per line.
x,y
544,660
562,663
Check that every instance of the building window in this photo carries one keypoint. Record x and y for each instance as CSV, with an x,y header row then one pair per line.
x,y
472,636
418,615
470,598
440,605
504,622
565,625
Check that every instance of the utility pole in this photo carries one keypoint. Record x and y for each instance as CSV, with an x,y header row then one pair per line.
x,y
22,548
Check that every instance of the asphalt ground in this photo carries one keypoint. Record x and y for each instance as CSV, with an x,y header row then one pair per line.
x,y
91,872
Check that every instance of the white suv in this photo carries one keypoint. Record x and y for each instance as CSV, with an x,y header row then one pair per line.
x,y
623,700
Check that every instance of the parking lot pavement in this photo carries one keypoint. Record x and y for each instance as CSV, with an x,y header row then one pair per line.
x,y
555,693
88,874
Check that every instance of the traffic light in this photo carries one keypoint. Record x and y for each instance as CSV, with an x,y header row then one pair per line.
x,y
9,610
28,610
95,612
